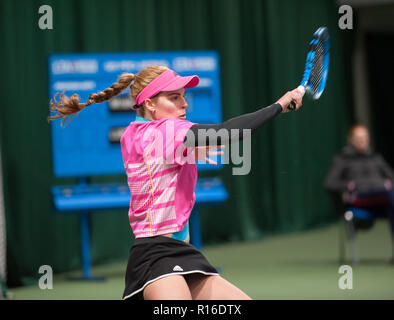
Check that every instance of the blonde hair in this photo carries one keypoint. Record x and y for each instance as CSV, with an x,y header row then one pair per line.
x,y
67,107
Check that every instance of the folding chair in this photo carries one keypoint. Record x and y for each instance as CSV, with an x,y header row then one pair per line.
x,y
355,219
358,216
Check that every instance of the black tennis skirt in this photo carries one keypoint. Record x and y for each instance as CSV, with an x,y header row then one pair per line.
x,y
156,257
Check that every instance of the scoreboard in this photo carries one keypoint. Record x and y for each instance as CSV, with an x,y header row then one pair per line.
x,y
89,144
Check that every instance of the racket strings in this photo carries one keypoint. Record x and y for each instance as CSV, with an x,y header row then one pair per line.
x,y
318,66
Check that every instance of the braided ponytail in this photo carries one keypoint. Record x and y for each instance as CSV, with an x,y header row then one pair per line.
x,y
67,107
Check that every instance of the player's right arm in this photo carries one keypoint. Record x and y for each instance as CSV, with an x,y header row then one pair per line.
x,y
233,128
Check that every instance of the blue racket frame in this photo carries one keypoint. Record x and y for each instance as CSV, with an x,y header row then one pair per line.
x,y
320,34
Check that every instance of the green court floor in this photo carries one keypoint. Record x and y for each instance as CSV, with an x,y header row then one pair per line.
x,y
294,266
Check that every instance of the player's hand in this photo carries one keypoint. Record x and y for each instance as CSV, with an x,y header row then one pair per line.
x,y
202,153
289,96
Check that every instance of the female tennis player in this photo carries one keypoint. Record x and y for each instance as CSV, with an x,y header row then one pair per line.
x,y
156,152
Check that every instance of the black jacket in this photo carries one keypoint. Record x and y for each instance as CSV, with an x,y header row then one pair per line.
x,y
368,170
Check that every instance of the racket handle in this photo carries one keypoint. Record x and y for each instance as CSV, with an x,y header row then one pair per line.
x,y
292,104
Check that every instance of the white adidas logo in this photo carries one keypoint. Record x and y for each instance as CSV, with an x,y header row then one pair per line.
x,y
177,268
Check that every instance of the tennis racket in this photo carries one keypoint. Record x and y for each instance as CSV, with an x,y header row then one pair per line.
x,y
316,67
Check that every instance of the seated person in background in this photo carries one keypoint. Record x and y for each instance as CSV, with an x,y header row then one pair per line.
x,y
363,178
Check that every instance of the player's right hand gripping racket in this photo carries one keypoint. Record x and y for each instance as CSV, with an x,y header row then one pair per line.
x,y
316,66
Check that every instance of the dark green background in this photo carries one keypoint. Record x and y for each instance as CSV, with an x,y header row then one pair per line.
x,y
262,47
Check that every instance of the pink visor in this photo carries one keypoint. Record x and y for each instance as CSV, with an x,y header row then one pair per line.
x,y
167,81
